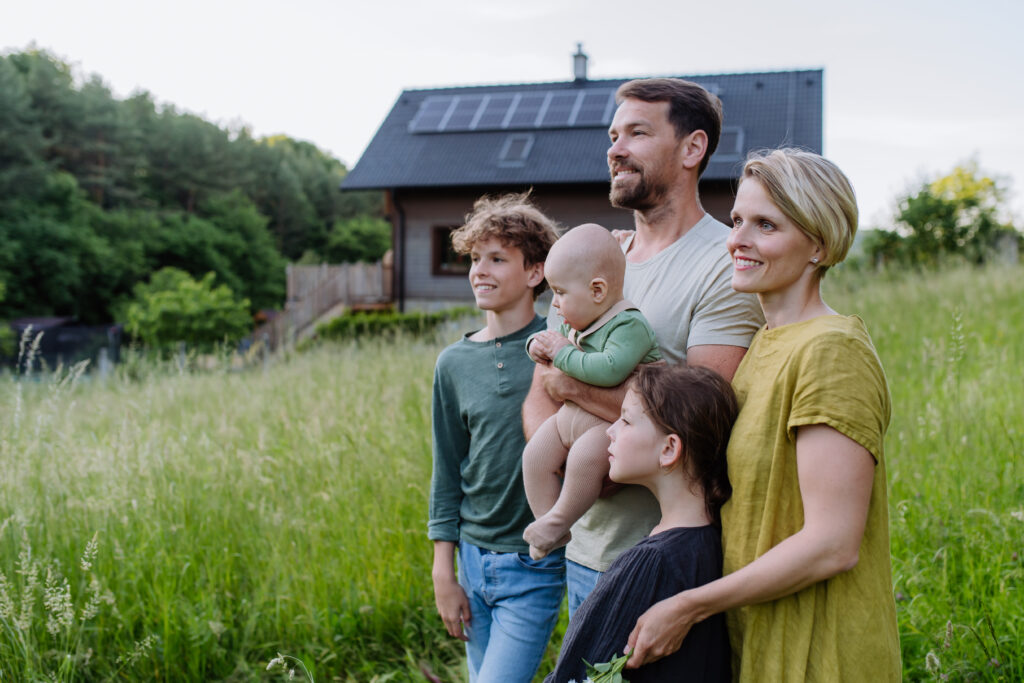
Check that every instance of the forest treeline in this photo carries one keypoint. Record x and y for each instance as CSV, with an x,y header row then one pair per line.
x,y
98,193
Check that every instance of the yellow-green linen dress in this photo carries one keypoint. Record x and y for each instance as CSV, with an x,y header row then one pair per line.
x,y
820,371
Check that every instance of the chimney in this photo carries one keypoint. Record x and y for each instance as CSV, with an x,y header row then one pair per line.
x,y
579,64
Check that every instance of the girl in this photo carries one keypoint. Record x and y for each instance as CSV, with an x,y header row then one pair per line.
x,y
671,438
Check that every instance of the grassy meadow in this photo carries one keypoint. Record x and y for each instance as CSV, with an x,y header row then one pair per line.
x,y
181,526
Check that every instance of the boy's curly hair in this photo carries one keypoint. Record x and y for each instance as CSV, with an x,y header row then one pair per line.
x,y
515,221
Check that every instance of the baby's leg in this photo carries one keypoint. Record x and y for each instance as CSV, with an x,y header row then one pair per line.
x,y
585,469
543,459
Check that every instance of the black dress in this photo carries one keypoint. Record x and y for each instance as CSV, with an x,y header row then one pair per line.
x,y
656,568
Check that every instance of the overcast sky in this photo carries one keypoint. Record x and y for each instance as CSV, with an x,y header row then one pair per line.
x,y
912,87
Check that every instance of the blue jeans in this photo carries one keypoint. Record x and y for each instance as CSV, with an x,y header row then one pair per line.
x,y
513,606
580,581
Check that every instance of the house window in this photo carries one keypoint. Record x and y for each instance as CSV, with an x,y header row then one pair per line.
x,y
445,260
515,150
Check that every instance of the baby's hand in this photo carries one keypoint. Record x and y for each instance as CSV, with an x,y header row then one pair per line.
x,y
553,342
622,235
538,350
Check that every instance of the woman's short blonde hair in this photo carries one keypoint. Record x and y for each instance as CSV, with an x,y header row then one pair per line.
x,y
813,193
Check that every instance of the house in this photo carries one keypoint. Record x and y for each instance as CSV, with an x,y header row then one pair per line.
x,y
439,149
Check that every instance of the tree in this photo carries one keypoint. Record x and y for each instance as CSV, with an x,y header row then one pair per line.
x,y
956,214
249,248
173,308
364,238
22,150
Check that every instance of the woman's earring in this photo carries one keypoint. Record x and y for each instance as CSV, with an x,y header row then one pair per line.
x,y
814,260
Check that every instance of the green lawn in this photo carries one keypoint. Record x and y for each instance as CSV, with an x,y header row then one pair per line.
x,y
239,514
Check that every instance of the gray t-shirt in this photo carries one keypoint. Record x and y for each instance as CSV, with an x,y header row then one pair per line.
x,y
685,292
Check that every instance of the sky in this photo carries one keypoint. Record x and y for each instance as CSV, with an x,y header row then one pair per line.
x,y
912,87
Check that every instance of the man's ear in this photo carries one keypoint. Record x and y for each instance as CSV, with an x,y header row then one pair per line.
x,y
598,289
535,274
671,453
693,148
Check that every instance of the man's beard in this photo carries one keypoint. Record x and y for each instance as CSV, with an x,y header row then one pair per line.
x,y
641,196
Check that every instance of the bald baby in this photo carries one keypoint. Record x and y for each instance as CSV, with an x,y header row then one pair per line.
x,y
585,253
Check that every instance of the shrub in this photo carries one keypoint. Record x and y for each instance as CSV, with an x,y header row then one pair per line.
x,y
356,324
173,308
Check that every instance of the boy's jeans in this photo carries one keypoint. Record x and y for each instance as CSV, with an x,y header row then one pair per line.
x,y
513,603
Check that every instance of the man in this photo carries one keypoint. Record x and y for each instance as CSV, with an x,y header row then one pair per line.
x,y
678,272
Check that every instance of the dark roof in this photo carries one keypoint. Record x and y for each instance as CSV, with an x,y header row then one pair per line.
x,y
454,137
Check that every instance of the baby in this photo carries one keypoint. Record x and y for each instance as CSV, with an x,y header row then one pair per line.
x,y
602,340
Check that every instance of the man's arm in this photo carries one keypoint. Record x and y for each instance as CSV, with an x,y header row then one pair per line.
x,y
721,358
605,403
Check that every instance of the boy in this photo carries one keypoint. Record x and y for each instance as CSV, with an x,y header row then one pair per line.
x,y
601,341
503,604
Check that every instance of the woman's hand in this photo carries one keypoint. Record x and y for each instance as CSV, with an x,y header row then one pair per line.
x,y
660,630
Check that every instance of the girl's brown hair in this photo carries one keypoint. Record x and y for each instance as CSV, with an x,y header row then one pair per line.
x,y
698,405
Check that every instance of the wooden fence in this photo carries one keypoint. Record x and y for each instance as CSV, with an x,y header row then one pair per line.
x,y
314,291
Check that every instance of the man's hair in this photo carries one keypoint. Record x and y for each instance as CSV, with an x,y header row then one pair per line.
x,y
515,221
690,107
813,193
698,405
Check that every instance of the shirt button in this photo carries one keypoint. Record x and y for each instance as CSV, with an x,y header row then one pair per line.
x,y
501,365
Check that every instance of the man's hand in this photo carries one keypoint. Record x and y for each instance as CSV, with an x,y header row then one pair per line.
x,y
453,606
556,383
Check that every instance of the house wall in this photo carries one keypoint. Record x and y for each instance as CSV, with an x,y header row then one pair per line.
x,y
569,206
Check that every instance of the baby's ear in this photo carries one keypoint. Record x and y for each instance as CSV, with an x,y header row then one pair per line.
x,y
598,289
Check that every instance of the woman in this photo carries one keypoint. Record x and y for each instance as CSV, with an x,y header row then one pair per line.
x,y
808,579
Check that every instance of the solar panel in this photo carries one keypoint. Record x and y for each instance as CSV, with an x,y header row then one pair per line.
x,y
463,112
432,111
560,108
526,110
494,110
595,108
523,110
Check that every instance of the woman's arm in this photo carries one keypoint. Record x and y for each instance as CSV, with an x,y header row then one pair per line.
x,y
835,474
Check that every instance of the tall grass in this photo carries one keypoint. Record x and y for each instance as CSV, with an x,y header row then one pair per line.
x,y
236,515
953,347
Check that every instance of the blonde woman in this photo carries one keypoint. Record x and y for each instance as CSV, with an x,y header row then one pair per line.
x,y
807,585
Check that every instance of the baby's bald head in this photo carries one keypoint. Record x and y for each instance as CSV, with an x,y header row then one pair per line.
x,y
587,252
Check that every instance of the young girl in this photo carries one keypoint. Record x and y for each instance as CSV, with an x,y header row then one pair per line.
x,y
671,437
